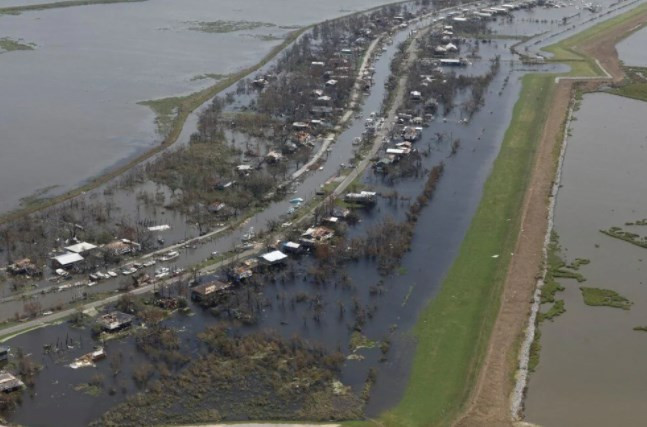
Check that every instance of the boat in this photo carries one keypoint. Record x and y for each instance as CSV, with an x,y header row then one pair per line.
x,y
128,271
170,255
162,272
249,235
149,263
112,273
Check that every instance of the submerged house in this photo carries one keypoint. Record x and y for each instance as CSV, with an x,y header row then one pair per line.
x,y
205,291
362,198
4,353
292,247
9,383
273,258
122,247
23,266
115,321
314,235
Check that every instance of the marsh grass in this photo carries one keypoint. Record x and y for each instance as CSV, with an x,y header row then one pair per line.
x,y
604,297
228,26
8,44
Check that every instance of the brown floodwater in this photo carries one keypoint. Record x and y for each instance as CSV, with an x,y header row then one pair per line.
x,y
591,370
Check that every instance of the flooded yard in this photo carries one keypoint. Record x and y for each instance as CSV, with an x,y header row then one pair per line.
x,y
590,370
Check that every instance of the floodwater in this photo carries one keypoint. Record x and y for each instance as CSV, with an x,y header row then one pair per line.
x,y
69,110
631,50
438,235
591,370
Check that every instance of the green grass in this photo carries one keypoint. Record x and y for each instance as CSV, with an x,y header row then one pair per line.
x,y
632,90
555,310
7,44
453,330
604,297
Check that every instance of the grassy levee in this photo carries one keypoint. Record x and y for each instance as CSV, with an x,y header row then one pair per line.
x,y
453,331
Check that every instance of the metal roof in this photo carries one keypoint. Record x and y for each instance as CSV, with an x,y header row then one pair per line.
x,y
68,258
274,256
80,247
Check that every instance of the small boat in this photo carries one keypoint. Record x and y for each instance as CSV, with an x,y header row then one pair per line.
x,y
249,235
112,273
149,263
128,271
170,255
162,272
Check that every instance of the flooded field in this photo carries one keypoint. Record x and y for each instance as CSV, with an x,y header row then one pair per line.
x,y
591,370
69,107
632,49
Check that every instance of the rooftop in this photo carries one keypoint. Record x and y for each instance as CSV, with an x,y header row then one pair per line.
x,y
8,382
115,320
68,258
274,256
80,247
208,288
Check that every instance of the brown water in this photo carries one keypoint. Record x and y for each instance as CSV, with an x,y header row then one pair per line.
x,y
591,370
